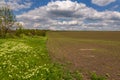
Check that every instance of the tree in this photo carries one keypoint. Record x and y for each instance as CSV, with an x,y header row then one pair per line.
x,y
7,19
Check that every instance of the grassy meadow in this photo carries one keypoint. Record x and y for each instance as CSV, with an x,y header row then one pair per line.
x,y
24,58
27,58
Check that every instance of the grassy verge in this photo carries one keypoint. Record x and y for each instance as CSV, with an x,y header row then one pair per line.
x,y
27,59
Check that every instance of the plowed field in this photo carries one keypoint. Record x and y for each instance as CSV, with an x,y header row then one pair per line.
x,y
87,52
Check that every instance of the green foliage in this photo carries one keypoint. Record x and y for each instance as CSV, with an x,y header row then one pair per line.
x,y
10,35
24,32
30,32
27,59
75,75
78,75
94,76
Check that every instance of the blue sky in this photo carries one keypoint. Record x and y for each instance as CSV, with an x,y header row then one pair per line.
x,y
113,6
67,14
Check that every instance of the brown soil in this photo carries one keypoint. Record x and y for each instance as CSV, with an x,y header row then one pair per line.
x,y
86,54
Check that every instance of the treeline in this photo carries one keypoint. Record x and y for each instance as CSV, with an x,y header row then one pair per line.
x,y
30,32
24,32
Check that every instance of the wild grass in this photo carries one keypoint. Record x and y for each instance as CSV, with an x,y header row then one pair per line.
x,y
94,76
27,59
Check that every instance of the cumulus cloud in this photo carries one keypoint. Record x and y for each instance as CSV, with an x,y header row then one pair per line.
x,y
16,4
102,2
2,3
68,15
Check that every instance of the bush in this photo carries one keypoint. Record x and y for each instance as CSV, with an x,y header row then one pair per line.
x,y
30,32
9,35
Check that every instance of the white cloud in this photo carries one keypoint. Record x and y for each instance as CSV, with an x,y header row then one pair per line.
x,y
70,15
16,4
102,2
2,3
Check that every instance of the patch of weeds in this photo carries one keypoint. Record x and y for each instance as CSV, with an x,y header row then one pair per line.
x,y
77,75
68,76
94,76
